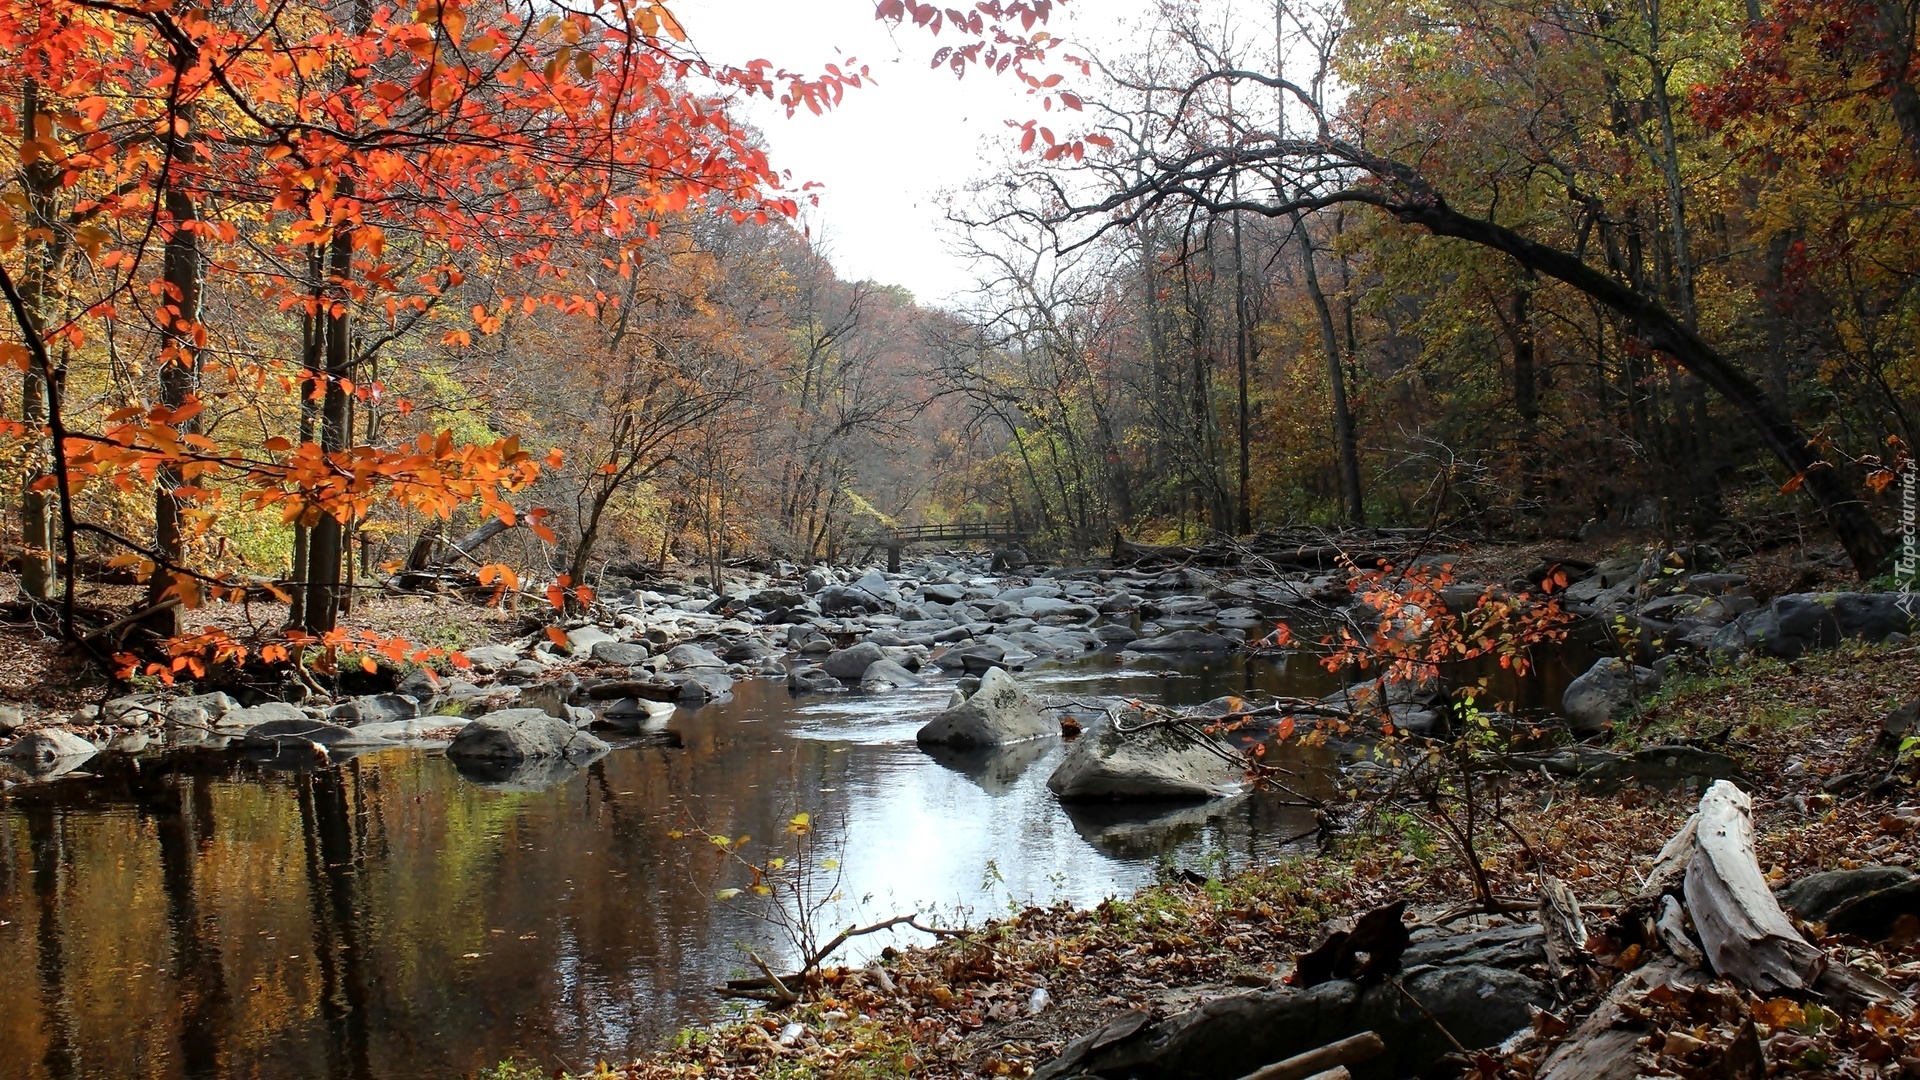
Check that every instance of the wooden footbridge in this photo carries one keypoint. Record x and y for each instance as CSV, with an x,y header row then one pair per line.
x,y
896,540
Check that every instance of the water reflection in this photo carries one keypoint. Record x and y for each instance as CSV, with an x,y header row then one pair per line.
x,y
200,914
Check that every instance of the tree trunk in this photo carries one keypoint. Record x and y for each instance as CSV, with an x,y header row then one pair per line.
x,y
44,243
1242,345
1343,436
179,383
326,540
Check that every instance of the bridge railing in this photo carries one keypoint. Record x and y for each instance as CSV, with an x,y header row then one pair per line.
x,y
896,540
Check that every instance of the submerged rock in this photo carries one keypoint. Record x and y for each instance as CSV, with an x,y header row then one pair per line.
x,y
1138,759
999,712
1182,641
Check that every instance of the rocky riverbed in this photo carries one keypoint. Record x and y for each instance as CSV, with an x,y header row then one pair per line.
x,y
521,710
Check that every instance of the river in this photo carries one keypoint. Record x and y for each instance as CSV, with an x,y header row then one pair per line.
x,y
194,914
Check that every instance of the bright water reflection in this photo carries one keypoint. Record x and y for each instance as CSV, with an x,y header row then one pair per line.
x,y
196,915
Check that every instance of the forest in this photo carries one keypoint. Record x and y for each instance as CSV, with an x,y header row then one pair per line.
x,y
1486,426
1521,271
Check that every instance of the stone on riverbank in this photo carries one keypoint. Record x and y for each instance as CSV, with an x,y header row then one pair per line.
x,y
1605,693
622,653
1470,985
47,747
1799,622
520,735
999,712
489,658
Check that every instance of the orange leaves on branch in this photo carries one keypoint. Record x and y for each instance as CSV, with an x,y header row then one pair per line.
x,y
536,520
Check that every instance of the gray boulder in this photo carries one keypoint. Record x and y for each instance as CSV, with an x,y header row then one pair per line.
x,y
692,657
1605,693
883,675
1798,622
700,685
581,640
429,730
1816,896
844,599
10,719
1470,988
1047,607
622,653
809,679
999,712
851,663
198,710
492,657
521,735
275,733
1160,761
240,721
42,749
375,709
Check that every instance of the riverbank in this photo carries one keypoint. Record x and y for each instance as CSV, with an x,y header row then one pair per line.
x,y
1008,997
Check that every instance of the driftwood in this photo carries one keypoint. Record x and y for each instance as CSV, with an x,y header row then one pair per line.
x,y
1566,930
1327,1061
1672,928
1747,937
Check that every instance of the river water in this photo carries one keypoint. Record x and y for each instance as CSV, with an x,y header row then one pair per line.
x,y
194,914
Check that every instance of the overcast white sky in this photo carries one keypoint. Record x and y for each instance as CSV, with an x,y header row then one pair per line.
x,y
891,150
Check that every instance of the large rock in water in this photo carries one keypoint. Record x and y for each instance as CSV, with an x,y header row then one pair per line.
x,y
274,733
1157,761
1605,693
1470,985
999,712
1798,622
520,735
852,662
